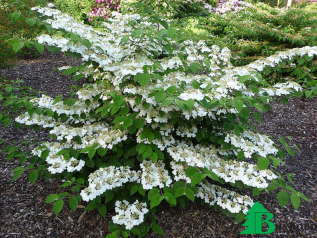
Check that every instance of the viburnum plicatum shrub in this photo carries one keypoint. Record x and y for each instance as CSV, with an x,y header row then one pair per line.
x,y
160,119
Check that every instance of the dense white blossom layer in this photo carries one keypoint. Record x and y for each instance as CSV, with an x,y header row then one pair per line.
x,y
226,199
251,143
229,170
60,108
108,178
57,162
36,119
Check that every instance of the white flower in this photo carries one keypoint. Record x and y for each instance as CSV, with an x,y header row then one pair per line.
x,y
129,215
192,94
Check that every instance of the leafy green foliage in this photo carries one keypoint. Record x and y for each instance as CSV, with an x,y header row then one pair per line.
x,y
77,9
18,28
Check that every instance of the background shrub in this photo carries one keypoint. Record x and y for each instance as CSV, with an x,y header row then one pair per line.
x,y
79,9
18,27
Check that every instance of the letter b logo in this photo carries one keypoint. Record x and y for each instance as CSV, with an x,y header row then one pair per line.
x,y
256,218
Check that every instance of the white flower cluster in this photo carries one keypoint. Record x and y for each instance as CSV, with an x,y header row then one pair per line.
x,y
105,179
187,132
105,138
277,58
68,132
226,199
178,170
58,163
60,108
154,174
89,91
251,143
192,94
129,215
229,170
162,144
36,119
280,89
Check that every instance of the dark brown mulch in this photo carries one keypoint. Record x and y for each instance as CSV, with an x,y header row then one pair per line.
x,y
24,214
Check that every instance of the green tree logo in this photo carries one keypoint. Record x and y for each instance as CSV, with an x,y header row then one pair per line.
x,y
256,217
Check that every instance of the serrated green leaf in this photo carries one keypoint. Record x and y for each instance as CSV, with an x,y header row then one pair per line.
x,y
58,206
17,172
295,200
33,175
283,198
195,175
30,21
16,44
157,228
51,198
73,202
115,234
170,197
263,163
101,152
102,210
155,197
143,79
134,189
190,194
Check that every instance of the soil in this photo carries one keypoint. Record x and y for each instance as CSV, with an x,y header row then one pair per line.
x,y
24,214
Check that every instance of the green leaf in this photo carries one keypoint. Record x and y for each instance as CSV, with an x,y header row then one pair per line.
x,y
195,175
30,21
17,173
143,79
33,175
58,206
73,202
179,188
155,197
170,197
16,44
101,152
51,198
102,210
283,198
213,176
134,189
90,150
295,200
157,228
147,133
190,194
15,16
91,206
69,101
289,150
263,163
115,234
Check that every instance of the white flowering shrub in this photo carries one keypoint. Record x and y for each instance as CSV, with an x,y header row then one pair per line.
x,y
160,119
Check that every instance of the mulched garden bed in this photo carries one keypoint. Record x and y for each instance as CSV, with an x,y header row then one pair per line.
x,y
23,212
